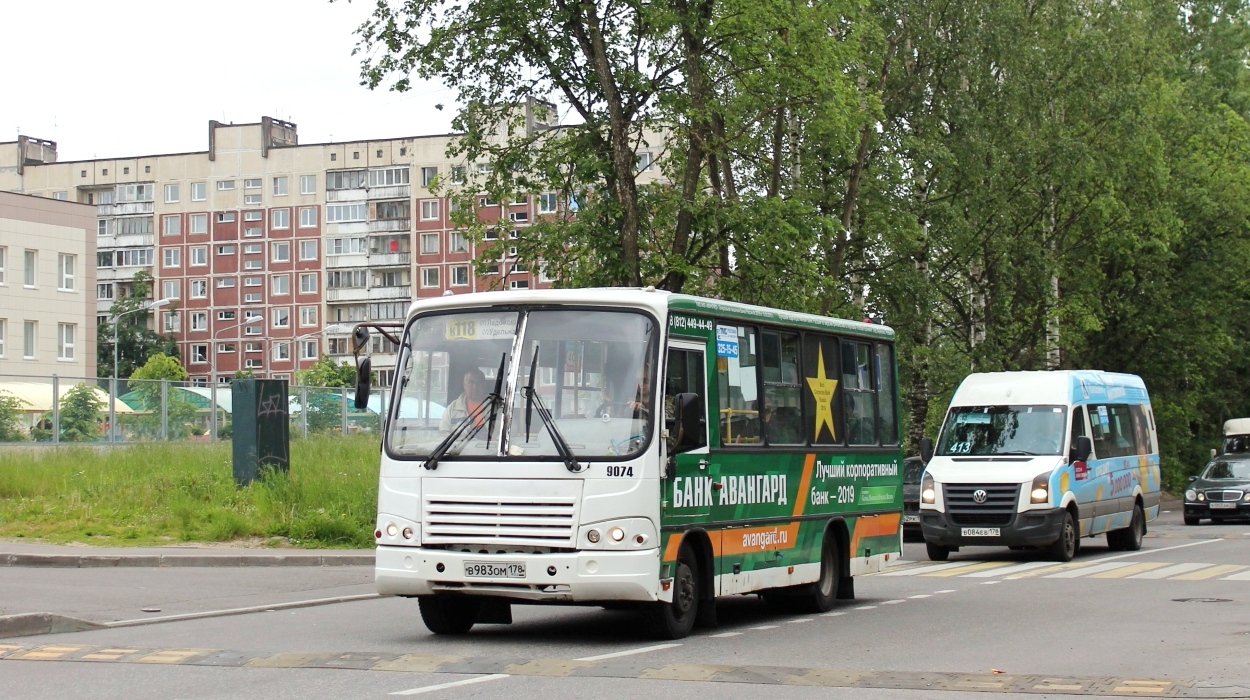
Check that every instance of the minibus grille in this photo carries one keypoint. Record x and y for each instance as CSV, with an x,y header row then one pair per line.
x,y
497,520
997,508
1224,495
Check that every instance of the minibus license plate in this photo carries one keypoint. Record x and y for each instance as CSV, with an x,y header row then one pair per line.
x,y
1217,504
481,569
911,518
979,532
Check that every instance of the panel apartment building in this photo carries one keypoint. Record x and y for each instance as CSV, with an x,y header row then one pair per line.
x,y
268,248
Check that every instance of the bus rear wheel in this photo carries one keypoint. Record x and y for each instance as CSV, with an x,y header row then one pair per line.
x,y
1130,537
821,595
675,620
448,614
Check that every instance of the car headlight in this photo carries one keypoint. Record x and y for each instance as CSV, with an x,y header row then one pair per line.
x,y
928,489
1201,497
1191,495
1039,492
1247,498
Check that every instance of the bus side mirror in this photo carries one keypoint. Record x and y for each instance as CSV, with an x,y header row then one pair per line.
x,y
689,421
364,372
926,449
360,339
1082,448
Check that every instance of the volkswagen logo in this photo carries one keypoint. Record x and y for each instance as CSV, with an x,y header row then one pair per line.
x,y
980,495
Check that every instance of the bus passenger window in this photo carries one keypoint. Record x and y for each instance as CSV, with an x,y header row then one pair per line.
x,y
736,348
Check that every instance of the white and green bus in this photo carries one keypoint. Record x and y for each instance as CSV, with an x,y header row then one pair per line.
x,y
526,458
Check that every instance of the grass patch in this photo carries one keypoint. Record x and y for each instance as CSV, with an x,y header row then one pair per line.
x,y
161,493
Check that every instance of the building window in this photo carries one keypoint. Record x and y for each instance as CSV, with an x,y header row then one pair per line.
x,y
197,223
308,249
225,217
29,333
4,254
307,350
429,243
456,242
171,193
281,350
460,276
345,180
429,209
279,185
427,175
225,185
429,277
169,289
225,282
307,184
172,322
251,298
251,200
346,279
65,341
280,218
104,290
61,196
281,318
199,192
65,265
133,225
307,217
225,315
4,327
253,232
644,161
199,321
457,174
171,225
307,316
547,203
392,211
225,250
252,249
199,353
253,264
199,290
519,284
225,348
280,252
281,284
32,260
171,257
102,227
345,212
518,216
252,183
308,283
136,193
388,177
346,246
199,255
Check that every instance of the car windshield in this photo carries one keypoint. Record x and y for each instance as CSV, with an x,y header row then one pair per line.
x,y
592,370
1231,469
1003,430
913,470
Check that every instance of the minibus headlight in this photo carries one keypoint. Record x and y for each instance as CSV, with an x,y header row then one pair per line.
x,y
1040,491
928,489
1191,495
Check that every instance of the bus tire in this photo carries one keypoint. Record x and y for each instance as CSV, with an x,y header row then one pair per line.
x,y
1131,536
820,596
675,620
937,552
448,614
1064,548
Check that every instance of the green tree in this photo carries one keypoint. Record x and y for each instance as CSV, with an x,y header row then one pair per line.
x,y
135,341
11,428
147,381
80,414
323,409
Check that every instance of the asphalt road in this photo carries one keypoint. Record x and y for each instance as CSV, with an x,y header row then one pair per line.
x,y
1170,620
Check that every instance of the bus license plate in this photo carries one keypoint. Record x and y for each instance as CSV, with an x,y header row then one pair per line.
x,y
482,569
1217,504
979,532
911,518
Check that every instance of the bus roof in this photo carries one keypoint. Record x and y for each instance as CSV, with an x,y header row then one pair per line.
x,y
1049,387
658,302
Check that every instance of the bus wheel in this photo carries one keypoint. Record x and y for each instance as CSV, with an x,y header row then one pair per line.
x,y
937,552
1131,537
448,614
820,596
675,620
1064,548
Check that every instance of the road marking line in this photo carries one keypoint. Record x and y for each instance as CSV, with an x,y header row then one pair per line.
x,y
1130,570
1052,569
947,590
453,684
1203,574
1087,570
629,652
170,656
918,570
989,583
834,614
799,621
1014,568
765,627
1140,552
960,571
722,635
866,607
893,602
921,595
1169,571
1243,576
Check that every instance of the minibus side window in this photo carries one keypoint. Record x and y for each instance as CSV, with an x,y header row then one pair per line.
x,y
1078,426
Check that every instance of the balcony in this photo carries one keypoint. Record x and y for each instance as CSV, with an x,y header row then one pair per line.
x,y
390,192
349,294
124,208
390,259
338,262
390,226
389,293
347,228
346,195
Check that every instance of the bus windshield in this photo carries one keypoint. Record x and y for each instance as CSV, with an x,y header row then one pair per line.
x,y
591,373
1003,430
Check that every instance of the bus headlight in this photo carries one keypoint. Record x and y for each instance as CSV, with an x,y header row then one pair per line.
x,y
1039,492
623,534
617,534
928,489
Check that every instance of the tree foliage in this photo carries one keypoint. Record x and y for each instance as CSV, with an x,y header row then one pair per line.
x,y
129,322
11,428
163,404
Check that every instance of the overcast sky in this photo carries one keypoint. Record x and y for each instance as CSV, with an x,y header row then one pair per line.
x,y
105,78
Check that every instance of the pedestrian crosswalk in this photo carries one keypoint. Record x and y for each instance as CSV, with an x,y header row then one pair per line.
x,y
1092,568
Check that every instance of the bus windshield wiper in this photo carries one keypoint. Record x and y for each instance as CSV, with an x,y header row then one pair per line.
x,y
472,423
532,399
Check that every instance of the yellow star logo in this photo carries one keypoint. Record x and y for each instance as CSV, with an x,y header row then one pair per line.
x,y
822,388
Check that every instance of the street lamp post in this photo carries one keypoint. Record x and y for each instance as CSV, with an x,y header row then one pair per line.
x,y
303,399
113,392
212,376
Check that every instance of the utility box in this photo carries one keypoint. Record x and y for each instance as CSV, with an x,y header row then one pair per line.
x,y
261,424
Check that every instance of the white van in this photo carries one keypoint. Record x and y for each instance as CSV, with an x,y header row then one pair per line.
x,y
1041,459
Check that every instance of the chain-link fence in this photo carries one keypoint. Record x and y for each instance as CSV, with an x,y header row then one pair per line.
x,y
56,409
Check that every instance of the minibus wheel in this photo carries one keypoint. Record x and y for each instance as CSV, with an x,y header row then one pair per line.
x,y
1065,547
675,620
443,614
937,552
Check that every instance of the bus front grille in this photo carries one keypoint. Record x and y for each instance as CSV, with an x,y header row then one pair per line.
x,y
499,520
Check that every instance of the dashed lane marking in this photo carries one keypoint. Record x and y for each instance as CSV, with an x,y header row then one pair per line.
x,y
484,669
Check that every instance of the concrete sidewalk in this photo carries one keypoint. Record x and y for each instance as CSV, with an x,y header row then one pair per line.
x,y
82,556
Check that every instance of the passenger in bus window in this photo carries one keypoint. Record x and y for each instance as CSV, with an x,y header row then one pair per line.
x,y
474,385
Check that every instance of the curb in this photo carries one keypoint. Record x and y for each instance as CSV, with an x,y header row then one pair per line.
x,y
27,624
85,561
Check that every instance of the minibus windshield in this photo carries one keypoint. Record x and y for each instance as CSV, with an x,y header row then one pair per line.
x,y
1003,430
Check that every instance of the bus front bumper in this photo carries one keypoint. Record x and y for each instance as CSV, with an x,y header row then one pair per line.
x,y
572,577
1032,528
